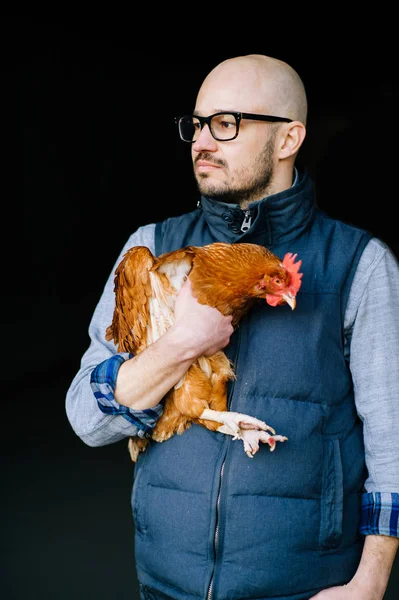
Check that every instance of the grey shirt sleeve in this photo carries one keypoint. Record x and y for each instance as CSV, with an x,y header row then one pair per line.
x,y
372,347
93,426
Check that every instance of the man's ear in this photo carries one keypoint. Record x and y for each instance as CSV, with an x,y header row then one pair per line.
x,y
292,136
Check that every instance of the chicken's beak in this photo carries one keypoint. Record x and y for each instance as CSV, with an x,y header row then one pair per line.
x,y
290,299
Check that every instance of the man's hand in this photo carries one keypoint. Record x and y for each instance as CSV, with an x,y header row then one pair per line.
x,y
198,329
344,592
371,578
201,329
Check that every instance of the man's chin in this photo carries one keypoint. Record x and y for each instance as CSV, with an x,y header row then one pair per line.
x,y
210,191
208,188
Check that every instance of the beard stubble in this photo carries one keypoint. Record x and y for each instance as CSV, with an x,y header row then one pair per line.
x,y
242,187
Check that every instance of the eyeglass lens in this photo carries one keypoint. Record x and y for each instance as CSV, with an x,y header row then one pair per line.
x,y
223,127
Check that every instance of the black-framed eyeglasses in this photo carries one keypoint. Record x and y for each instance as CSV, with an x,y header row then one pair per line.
x,y
224,126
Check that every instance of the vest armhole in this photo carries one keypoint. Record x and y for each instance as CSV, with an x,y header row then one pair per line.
x,y
158,238
348,283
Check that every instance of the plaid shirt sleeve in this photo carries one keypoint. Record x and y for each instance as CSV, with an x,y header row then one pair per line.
x,y
380,512
103,382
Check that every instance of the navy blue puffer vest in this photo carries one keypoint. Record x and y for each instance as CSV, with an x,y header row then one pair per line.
x,y
213,524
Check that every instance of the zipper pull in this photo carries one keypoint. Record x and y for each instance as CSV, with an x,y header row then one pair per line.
x,y
246,224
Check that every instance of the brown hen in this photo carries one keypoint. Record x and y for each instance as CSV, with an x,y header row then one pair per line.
x,y
229,277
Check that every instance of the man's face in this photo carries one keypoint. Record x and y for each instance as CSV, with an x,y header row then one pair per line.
x,y
237,171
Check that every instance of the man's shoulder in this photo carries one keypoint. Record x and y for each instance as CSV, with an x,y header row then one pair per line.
x,y
143,236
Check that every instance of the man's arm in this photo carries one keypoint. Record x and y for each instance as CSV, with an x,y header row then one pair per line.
x,y
372,576
92,414
375,566
114,396
372,328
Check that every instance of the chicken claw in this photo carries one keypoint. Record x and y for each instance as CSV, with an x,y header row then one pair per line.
x,y
252,437
234,423
243,427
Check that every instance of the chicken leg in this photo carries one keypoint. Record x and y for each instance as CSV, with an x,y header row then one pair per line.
x,y
243,427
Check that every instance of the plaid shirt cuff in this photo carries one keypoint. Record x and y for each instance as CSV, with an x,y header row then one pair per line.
x,y
103,383
380,512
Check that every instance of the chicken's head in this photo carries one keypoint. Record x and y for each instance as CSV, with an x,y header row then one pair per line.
x,y
283,285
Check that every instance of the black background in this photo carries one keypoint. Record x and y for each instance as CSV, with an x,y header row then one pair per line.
x,y
94,102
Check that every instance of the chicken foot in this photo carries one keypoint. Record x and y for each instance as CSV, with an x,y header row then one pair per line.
x,y
252,437
234,421
243,427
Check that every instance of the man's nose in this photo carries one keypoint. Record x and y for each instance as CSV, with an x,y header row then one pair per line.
x,y
205,141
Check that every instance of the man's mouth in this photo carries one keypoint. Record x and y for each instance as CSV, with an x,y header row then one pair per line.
x,y
204,165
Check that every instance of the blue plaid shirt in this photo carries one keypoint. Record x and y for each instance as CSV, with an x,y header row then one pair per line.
x,y
103,383
380,512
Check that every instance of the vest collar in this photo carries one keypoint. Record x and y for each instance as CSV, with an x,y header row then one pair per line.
x,y
276,219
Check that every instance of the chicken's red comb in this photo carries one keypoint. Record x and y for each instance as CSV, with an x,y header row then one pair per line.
x,y
293,269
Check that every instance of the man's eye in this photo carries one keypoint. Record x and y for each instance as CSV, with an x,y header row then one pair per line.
x,y
226,124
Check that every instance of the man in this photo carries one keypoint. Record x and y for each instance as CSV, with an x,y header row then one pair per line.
x,y
318,517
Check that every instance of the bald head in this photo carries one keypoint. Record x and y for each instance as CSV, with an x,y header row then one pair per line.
x,y
254,83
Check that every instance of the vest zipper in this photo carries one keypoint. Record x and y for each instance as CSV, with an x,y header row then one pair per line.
x,y
246,224
216,537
